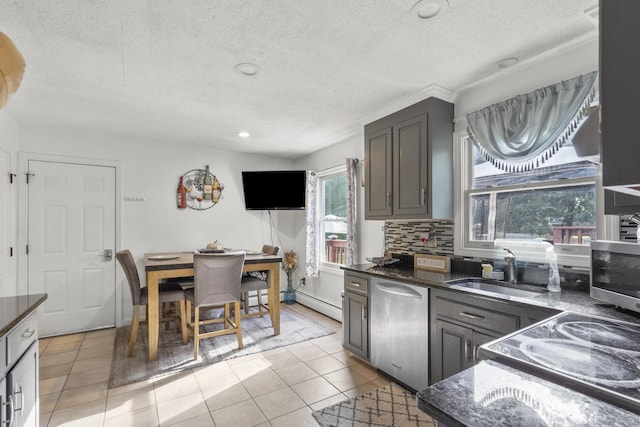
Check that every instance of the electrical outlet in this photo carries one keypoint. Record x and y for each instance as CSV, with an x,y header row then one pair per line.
x,y
428,240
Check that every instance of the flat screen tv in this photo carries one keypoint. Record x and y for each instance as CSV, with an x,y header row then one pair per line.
x,y
274,190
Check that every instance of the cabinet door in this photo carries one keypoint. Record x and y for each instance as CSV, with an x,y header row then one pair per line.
x,y
410,168
451,350
23,384
619,92
378,174
478,340
356,324
3,402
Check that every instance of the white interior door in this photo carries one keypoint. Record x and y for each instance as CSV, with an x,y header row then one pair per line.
x,y
71,224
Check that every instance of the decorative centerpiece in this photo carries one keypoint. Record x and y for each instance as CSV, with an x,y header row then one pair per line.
x,y
289,265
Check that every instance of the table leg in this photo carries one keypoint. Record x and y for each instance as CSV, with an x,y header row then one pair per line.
x,y
153,321
274,296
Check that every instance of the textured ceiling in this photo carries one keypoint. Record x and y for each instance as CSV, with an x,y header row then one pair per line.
x,y
164,69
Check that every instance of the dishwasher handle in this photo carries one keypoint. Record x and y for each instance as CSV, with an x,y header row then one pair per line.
x,y
396,289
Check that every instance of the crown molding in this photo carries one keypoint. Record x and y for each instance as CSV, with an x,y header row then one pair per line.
x,y
433,90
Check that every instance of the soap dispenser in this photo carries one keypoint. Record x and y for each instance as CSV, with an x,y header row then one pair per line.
x,y
554,276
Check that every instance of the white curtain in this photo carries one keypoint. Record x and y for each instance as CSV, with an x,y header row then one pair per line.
x,y
311,260
521,133
352,188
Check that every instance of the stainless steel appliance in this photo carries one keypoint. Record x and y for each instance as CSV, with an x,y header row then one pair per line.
x,y
614,273
400,331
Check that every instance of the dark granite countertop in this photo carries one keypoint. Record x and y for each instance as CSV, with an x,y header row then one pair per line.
x,y
14,309
571,298
492,394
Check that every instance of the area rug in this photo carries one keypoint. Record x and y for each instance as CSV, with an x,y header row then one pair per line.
x,y
386,406
173,356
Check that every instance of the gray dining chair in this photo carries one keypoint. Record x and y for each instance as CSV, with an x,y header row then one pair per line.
x,y
216,283
256,282
167,292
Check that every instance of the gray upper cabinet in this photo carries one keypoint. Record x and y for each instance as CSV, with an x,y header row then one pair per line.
x,y
378,173
619,94
409,163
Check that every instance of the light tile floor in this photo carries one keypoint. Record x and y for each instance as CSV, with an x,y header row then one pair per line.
x,y
279,387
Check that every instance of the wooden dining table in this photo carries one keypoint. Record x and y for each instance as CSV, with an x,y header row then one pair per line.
x,y
165,265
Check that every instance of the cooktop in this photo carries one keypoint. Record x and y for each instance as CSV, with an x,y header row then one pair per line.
x,y
593,355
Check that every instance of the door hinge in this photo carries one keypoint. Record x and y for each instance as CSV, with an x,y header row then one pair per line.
x,y
27,250
28,175
11,176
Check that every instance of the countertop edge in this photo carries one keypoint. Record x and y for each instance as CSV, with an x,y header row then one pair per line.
x,y
26,312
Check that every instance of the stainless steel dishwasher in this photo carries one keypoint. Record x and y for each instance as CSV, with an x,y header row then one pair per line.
x,y
400,331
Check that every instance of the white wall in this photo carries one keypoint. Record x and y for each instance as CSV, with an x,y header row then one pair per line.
x,y
151,171
553,67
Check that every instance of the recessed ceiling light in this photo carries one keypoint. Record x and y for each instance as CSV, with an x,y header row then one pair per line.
x,y
507,62
243,134
247,69
427,9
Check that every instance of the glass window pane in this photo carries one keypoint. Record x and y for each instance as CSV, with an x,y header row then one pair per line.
x,y
565,215
335,196
564,164
333,222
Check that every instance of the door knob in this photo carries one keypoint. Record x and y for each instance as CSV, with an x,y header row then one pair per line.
x,y
108,254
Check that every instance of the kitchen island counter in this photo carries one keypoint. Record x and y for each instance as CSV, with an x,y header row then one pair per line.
x,y
493,394
14,309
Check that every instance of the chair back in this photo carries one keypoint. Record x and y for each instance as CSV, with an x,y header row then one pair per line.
x,y
217,277
128,264
270,250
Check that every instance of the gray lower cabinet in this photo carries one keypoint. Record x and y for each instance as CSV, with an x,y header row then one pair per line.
x,y
355,315
457,348
461,323
408,163
19,382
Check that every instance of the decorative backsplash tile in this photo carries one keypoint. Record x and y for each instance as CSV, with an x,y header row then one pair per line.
x,y
409,237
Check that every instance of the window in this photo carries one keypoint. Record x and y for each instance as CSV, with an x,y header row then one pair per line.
x,y
332,227
555,202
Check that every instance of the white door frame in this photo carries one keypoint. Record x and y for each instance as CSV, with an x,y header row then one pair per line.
x,y
23,216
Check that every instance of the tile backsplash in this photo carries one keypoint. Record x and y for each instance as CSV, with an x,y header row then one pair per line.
x,y
406,237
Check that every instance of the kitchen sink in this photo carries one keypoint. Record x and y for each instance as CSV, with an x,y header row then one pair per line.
x,y
495,287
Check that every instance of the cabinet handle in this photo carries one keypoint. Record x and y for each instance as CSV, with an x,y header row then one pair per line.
x,y
9,403
21,401
422,197
388,199
471,315
466,349
364,312
27,334
475,352
355,284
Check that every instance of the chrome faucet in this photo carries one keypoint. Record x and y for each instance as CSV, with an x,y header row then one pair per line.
x,y
512,267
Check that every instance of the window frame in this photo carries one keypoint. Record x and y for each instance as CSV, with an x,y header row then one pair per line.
x,y
321,177
568,255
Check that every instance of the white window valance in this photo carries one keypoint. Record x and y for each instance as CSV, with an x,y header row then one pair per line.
x,y
521,133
